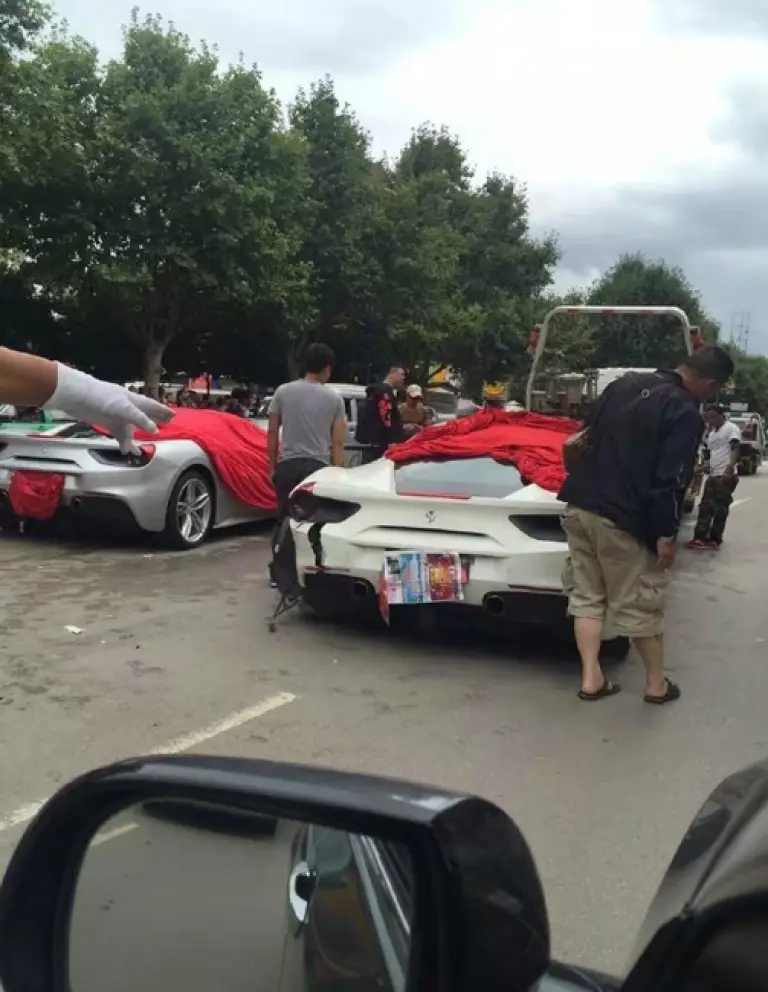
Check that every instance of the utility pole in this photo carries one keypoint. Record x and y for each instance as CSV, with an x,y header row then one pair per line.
x,y
741,324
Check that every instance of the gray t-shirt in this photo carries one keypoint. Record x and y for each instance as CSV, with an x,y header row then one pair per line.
x,y
307,411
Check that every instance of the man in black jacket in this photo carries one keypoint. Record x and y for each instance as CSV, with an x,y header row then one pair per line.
x,y
380,423
624,503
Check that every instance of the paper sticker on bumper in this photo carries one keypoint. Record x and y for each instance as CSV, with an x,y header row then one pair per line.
x,y
416,577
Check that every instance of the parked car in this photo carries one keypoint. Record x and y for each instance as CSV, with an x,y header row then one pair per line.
x,y
172,488
32,420
389,885
508,534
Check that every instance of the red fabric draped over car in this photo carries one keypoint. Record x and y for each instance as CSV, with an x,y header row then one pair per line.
x,y
532,442
237,448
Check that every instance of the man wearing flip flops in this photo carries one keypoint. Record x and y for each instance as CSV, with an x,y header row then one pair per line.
x,y
624,497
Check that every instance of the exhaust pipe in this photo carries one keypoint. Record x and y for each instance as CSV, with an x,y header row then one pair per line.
x,y
360,590
495,605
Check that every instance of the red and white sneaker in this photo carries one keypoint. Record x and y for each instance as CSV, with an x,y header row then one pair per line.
x,y
697,545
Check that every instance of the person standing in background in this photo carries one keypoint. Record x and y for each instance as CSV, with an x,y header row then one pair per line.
x,y
414,413
379,422
722,449
313,425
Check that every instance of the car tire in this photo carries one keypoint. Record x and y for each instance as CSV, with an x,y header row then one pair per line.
x,y
188,484
615,649
8,519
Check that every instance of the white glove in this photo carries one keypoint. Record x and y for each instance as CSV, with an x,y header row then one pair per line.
x,y
106,405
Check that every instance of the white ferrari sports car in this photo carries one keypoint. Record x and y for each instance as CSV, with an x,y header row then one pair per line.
x,y
508,535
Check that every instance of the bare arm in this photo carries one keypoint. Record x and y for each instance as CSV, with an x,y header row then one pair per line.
x,y
26,380
338,437
735,457
273,440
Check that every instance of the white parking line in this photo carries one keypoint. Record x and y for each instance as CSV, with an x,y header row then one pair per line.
x,y
113,834
739,502
23,814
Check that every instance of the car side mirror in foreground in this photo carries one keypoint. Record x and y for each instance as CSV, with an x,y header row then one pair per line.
x,y
208,874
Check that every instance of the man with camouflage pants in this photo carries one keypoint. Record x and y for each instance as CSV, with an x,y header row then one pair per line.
x,y
722,447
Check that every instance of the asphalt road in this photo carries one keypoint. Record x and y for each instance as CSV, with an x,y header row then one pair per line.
x,y
174,653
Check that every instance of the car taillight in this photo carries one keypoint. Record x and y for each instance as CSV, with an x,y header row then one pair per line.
x,y
541,527
305,506
113,456
147,453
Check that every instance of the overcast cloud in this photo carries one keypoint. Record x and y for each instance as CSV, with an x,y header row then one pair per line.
x,y
637,125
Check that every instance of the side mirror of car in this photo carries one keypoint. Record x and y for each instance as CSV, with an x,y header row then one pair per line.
x,y
213,873
707,927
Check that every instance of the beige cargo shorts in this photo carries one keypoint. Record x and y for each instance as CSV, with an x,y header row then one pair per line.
x,y
609,572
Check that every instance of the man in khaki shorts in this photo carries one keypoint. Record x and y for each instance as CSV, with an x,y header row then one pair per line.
x,y
624,503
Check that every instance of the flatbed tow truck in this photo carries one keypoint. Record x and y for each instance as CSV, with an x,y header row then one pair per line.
x,y
753,442
571,394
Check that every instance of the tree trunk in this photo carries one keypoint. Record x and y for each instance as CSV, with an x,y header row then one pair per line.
x,y
293,366
153,367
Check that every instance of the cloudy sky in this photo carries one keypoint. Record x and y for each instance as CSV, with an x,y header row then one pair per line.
x,y
636,124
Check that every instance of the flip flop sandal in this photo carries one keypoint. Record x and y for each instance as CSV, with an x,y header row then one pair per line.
x,y
605,690
672,693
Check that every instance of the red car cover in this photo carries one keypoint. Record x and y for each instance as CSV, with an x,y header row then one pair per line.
x,y
237,448
532,442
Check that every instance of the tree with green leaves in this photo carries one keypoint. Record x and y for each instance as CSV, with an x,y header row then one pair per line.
x,y
460,270
340,203
165,206
572,338
641,342
750,380
20,21
154,187
504,271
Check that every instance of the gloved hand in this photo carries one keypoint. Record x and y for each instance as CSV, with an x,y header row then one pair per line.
x,y
107,405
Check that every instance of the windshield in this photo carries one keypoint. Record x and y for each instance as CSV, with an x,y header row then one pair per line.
x,y
459,477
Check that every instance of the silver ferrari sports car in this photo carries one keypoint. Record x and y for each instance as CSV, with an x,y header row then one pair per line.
x,y
170,489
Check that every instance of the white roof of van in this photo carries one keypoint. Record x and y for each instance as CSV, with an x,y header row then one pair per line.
x,y
348,388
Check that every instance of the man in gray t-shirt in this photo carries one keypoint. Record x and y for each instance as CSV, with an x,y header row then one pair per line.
x,y
311,417
307,410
